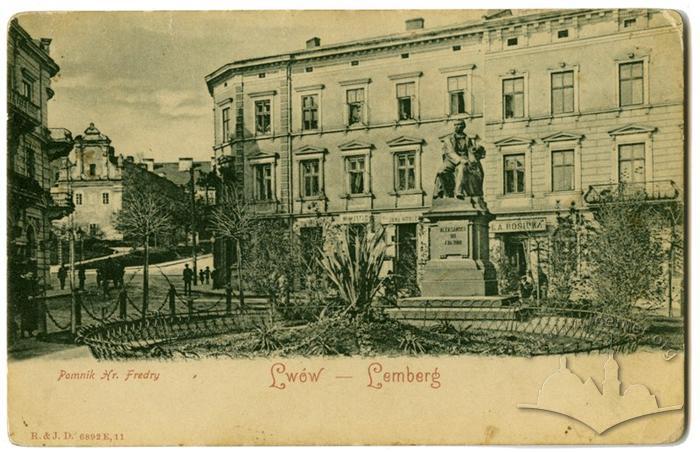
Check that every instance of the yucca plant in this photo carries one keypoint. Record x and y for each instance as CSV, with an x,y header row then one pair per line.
x,y
356,276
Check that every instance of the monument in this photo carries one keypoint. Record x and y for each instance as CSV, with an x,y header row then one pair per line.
x,y
459,281
459,219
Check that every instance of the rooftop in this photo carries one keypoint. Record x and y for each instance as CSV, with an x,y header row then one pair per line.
x,y
491,20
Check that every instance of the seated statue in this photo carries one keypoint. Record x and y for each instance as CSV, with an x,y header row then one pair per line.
x,y
461,175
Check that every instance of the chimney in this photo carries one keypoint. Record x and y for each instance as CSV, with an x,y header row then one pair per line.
x,y
184,163
45,44
313,43
149,163
415,24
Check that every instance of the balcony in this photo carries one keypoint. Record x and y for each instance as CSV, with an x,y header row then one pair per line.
x,y
653,191
60,203
59,142
22,105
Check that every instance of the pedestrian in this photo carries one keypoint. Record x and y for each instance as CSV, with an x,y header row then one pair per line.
x,y
525,287
542,282
98,276
213,279
120,271
207,273
201,276
62,273
187,276
81,277
28,304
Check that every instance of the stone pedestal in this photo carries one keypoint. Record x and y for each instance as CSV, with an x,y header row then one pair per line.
x,y
459,264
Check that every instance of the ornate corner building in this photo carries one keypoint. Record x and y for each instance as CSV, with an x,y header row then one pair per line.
x,y
33,150
568,104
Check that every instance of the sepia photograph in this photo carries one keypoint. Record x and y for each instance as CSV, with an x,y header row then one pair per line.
x,y
338,204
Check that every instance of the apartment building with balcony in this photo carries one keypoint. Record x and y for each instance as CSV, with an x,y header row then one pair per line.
x,y
562,101
32,148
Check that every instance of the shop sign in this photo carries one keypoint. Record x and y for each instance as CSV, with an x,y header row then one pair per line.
x,y
354,218
399,217
519,225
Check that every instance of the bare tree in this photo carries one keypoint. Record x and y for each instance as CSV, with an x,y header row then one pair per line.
x,y
144,214
231,219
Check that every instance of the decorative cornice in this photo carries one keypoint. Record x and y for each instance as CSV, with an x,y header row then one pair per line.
x,y
354,145
405,141
225,101
262,155
460,68
316,87
563,136
514,141
414,74
310,150
631,129
357,81
267,93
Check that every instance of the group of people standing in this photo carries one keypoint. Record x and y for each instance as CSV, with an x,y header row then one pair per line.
x,y
188,275
110,271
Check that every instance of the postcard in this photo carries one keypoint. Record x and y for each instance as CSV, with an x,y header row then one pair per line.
x,y
346,227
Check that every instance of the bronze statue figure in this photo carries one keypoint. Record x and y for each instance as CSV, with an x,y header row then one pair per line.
x,y
461,175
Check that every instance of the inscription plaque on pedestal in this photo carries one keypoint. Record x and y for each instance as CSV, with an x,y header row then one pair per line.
x,y
449,239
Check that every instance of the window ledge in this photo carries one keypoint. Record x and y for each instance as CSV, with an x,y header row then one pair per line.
x,y
406,192
356,195
515,196
321,197
563,193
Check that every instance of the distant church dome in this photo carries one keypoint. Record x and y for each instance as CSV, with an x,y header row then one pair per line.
x,y
92,133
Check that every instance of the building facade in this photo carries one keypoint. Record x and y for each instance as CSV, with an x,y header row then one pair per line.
x,y
32,148
98,180
564,102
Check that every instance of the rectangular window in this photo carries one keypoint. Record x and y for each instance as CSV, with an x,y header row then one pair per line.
x,y
355,105
27,89
514,98
309,112
563,34
92,169
263,182
105,198
92,229
632,83
632,165
225,123
405,178
262,117
78,199
355,167
563,170
512,42
30,157
405,94
311,179
562,92
457,87
627,23
514,174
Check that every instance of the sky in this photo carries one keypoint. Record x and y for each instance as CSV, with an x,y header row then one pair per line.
x,y
139,76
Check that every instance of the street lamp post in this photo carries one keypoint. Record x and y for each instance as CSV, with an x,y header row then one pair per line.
x,y
193,217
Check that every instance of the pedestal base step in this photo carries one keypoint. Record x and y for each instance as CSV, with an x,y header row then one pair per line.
x,y
480,301
438,314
